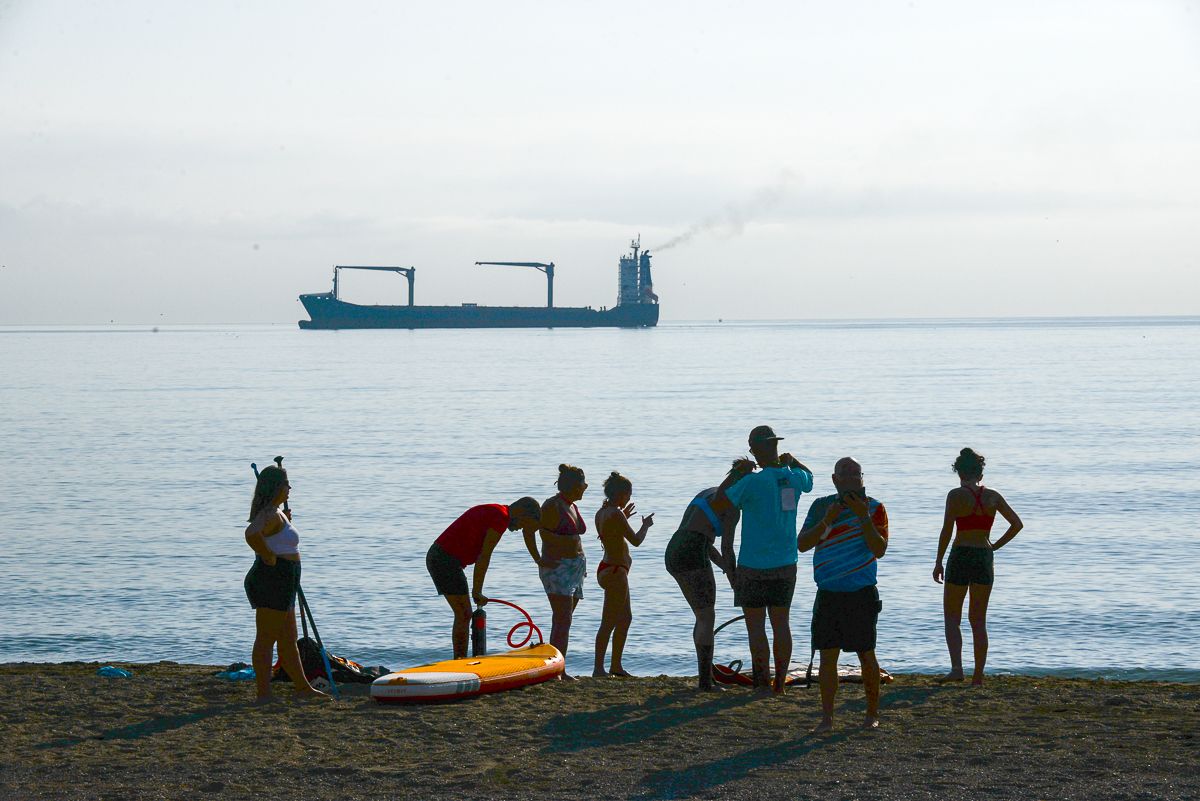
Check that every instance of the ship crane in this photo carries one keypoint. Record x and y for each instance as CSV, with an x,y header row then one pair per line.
x,y
408,272
548,269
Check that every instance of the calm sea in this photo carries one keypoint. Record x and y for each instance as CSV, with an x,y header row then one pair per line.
x,y
126,476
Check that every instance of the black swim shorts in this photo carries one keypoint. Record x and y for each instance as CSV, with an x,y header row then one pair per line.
x,y
687,551
688,563
447,574
846,620
755,589
969,565
273,586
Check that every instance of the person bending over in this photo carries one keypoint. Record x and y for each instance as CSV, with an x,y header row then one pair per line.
x,y
470,540
971,509
272,584
848,534
765,576
561,561
612,574
690,555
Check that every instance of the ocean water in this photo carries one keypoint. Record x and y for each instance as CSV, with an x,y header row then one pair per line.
x,y
125,478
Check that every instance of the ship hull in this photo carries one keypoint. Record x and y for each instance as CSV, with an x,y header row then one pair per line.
x,y
328,313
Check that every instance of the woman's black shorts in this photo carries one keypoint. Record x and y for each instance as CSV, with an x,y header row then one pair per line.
x,y
846,620
688,563
447,574
273,586
687,551
968,565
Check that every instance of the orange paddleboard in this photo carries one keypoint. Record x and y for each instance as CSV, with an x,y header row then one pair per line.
x,y
462,678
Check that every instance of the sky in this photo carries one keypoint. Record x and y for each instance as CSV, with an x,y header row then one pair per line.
x,y
208,162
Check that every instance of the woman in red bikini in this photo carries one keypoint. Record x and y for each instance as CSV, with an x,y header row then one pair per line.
x,y
612,524
971,509
561,561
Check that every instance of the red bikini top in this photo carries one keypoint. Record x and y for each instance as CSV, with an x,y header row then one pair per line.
x,y
567,526
979,519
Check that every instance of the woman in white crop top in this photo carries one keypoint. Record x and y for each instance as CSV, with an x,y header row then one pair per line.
x,y
272,583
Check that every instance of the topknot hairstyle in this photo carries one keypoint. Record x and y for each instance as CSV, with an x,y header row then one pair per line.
x,y
969,464
569,476
616,484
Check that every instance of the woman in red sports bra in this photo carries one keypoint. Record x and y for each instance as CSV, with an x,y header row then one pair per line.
x,y
970,512
612,525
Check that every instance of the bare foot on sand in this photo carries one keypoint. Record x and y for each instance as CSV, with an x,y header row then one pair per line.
x,y
871,723
824,727
265,699
954,675
977,681
599,673
621,673
312,695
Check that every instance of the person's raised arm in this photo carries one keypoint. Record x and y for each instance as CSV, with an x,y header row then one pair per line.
x,y
939,570
810,535
490,538
1014,522
787,460
636,538
875,539
720,502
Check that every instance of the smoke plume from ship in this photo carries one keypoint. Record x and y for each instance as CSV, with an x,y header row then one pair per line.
x,y
734,218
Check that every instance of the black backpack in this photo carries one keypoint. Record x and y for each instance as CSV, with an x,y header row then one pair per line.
x,y
344,670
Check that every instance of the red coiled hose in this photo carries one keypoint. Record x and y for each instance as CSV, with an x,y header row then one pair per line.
x,y
527,622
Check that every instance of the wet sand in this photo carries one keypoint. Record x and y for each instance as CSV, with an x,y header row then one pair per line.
x,y
175,731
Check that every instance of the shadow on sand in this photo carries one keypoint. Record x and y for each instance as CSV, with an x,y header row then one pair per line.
x,y
695,779
632,723
135,731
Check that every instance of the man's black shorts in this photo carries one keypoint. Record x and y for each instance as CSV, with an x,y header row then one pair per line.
x,y
756,588
846,620
447,574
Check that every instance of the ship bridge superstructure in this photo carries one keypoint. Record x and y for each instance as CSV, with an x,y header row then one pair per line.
x,y
635,285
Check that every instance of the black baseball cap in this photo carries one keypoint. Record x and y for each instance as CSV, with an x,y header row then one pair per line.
x,y
763,434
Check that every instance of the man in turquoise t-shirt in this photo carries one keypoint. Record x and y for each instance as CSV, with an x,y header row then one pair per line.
x,y
765,573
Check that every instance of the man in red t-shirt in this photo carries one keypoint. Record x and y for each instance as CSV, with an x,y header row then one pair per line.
x,y
470,540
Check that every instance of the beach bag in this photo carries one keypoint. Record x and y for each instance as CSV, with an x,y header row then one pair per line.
x,y
344,670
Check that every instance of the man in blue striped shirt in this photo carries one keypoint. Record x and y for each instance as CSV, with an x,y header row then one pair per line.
x,y
849,532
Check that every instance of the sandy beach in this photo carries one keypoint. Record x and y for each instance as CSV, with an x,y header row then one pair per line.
x,y
176,731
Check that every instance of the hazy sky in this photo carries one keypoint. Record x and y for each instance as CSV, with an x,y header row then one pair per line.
x,y
207,162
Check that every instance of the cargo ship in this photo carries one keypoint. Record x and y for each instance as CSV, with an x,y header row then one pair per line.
x,y
637,305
